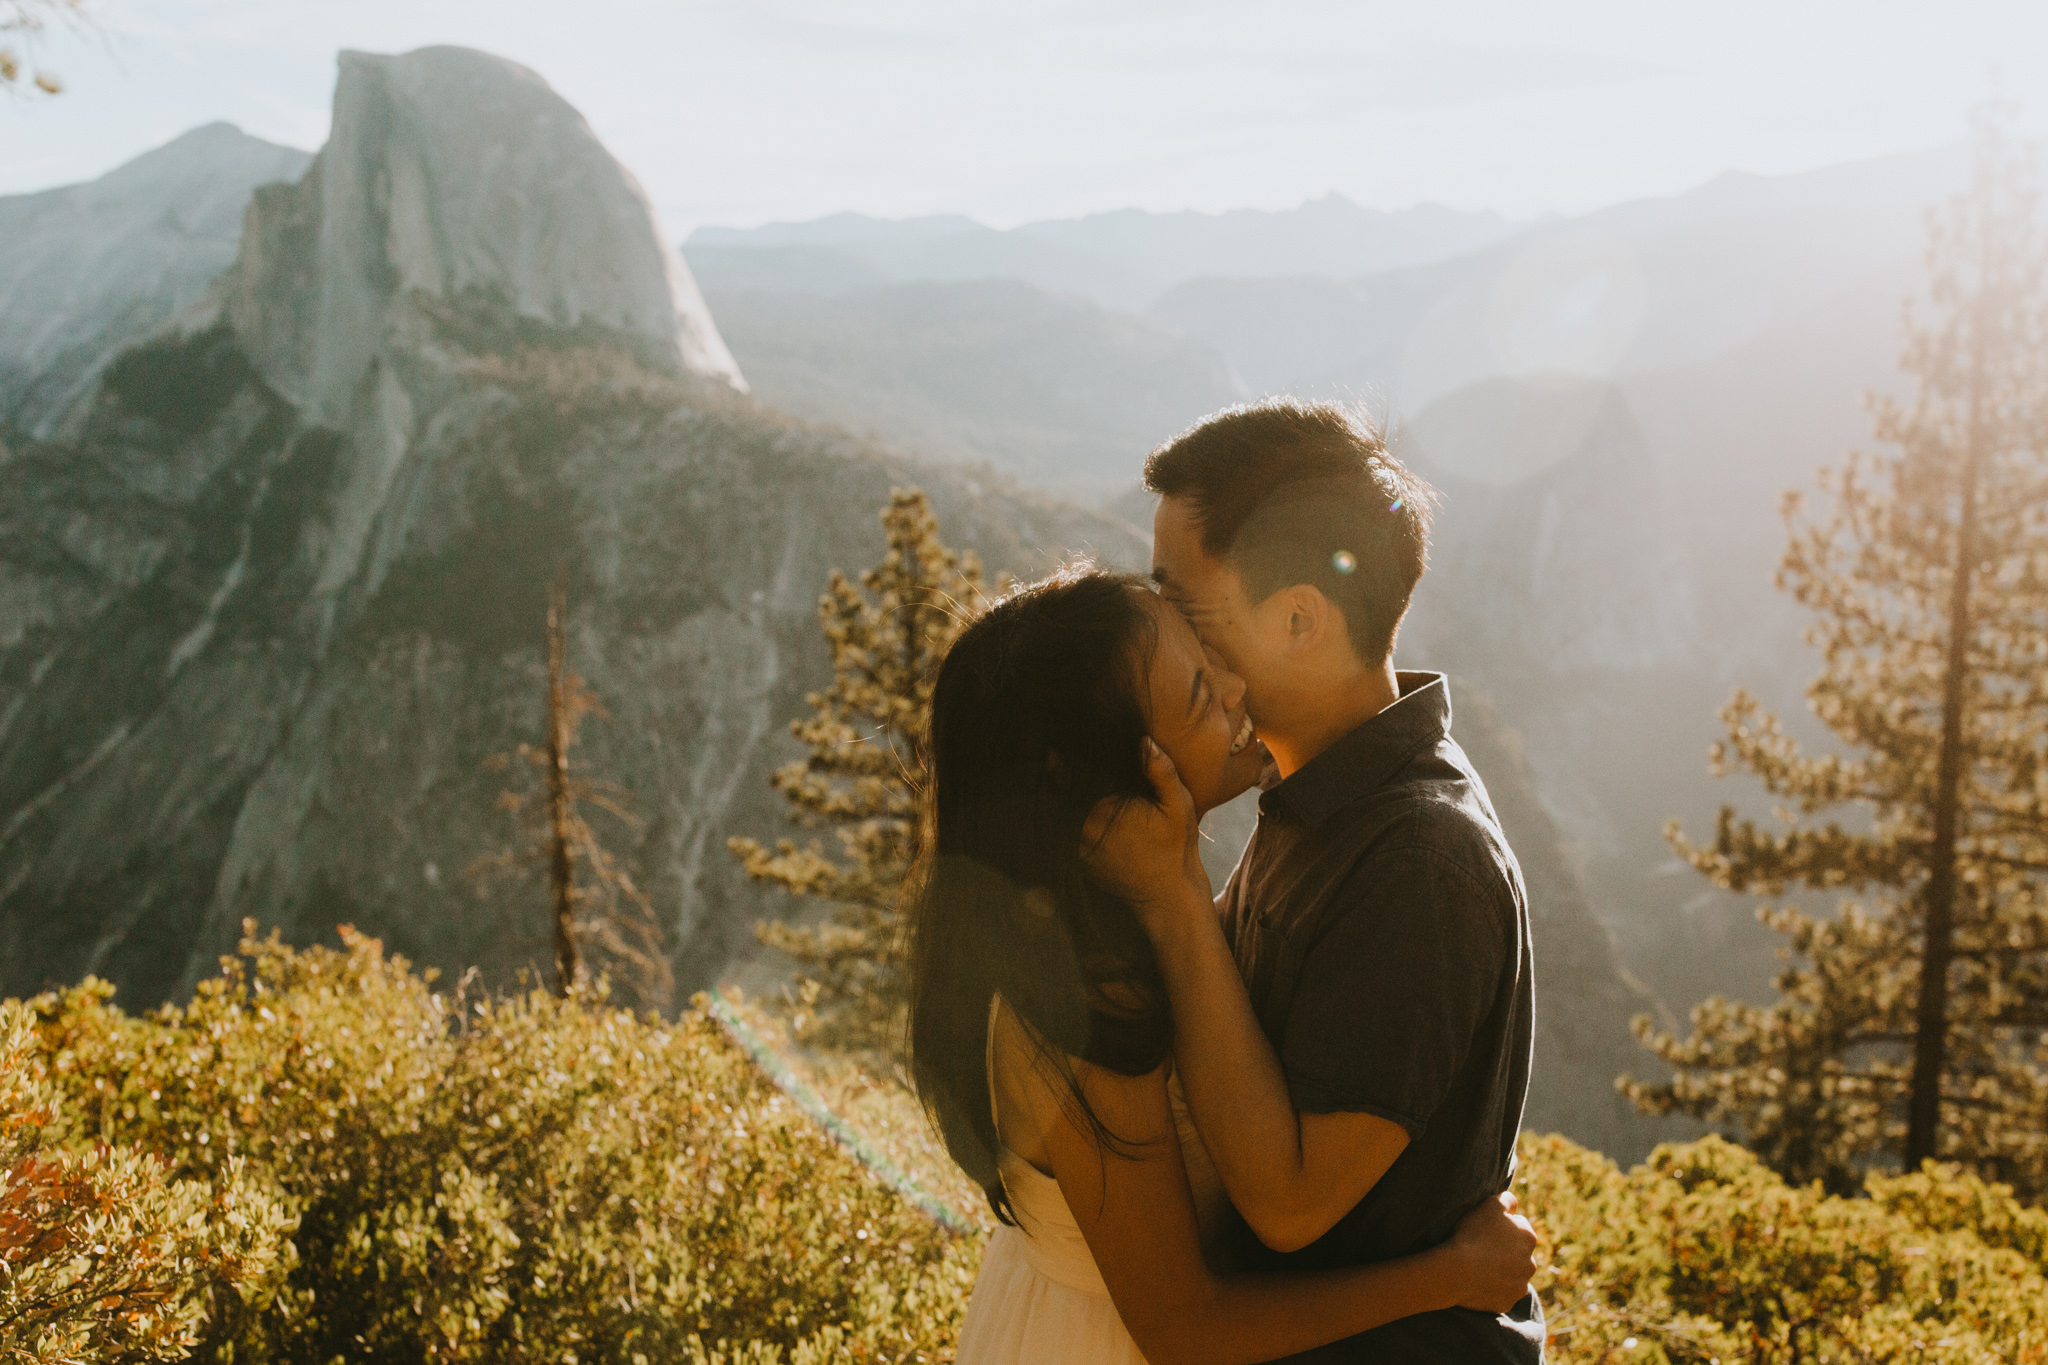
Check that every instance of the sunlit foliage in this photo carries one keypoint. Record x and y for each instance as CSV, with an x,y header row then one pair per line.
x,y
524,1178
861,773
102,1256
1915,1022
1704,1255
323,1158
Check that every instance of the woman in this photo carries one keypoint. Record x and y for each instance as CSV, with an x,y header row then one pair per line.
x,y
1040,1036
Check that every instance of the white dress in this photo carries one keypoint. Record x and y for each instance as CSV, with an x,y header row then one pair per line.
x,y
1040,1299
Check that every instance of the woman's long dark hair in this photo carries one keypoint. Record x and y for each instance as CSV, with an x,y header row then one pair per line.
x,y
1035,717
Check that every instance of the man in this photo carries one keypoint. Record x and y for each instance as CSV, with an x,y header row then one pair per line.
x,y
1378,918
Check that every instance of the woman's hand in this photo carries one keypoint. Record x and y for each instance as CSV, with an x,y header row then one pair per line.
x,y
1497,1248
1148,852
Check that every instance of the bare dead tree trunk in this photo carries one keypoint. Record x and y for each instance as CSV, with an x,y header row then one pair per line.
x,y
561,799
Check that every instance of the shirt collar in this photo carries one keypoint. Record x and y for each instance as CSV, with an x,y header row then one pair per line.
x,y
1369,756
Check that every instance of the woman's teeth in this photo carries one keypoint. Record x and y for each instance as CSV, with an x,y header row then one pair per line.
x,y
1244,736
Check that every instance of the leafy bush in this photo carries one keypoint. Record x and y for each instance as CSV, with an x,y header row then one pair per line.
x,y
510,1179
101,1257
540,1179
1704,1255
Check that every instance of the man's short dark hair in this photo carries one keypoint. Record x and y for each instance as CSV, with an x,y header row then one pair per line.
x,y
1290,492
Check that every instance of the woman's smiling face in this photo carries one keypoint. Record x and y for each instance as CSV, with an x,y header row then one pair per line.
x,y
1194,707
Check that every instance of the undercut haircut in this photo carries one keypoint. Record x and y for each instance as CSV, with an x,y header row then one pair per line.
x,y
1289,492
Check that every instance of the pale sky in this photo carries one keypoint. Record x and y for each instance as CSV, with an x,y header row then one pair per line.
x,y
745,111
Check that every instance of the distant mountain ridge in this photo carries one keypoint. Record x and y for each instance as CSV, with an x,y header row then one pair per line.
x,y
88,269
841,229
1122,259
1051,389
1632,289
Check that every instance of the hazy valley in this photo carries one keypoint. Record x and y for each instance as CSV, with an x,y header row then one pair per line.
x,y
1613,405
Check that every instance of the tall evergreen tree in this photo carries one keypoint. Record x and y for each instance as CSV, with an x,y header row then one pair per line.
x,y
861,774
1914,1024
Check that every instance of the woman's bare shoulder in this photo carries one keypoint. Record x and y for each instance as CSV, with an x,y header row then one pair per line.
x,y
1034,1092
1022,1080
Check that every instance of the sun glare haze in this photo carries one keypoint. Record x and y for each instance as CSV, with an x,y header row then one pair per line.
x,y
740,112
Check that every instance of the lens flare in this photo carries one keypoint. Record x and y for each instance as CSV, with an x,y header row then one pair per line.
x,y
1343,561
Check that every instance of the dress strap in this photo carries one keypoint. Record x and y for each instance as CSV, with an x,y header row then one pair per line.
x,y
988,1062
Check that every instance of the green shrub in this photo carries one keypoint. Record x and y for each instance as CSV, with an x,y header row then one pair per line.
x,y
511,1179
532,1179
102,1257
1704,1255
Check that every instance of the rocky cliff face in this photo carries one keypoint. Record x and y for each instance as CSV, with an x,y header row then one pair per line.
x,y
452,174
278,595
90,269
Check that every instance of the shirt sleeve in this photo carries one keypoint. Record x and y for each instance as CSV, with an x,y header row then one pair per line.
x,y
1392,996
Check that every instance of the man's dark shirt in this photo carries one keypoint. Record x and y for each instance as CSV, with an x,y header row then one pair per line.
x,y
1380,922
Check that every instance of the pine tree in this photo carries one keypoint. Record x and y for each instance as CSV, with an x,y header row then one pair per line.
x,y
861,775
598,918
1914,1024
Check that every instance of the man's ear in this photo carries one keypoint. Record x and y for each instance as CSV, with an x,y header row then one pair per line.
x,y
1307,615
